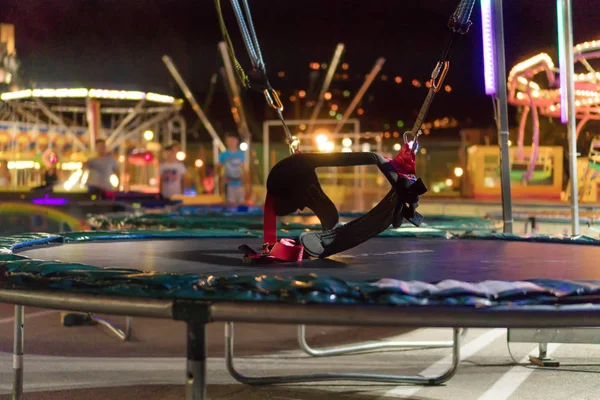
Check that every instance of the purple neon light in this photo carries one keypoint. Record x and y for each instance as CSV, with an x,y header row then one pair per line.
x,y
489,54
562,64
48,201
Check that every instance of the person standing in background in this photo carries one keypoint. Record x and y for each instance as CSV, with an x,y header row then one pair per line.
x,y
101,168
4,174
50,179
172,174
233,172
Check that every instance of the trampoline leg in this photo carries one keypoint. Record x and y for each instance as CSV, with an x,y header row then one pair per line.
x,y
362,347
123,335
542,359
86,319
196,361
19,340
344,376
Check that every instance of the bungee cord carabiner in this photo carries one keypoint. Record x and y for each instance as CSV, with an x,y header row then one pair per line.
x,y
459,23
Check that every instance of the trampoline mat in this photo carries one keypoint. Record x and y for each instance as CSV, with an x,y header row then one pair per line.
x,y
408,259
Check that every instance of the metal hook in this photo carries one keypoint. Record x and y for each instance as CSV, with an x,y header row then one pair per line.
x,y
415,140
436,83
273,99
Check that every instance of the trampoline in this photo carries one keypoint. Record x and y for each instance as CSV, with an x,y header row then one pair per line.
x,y
423,278
403,277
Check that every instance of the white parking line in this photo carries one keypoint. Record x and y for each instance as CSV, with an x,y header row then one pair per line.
x,y
466,351
9,320
510,381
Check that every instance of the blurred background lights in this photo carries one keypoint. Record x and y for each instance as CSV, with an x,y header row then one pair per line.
x,y
321,138
148,135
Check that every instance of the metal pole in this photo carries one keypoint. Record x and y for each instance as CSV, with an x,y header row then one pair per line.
x,y
266,149
358,190
361,92
196,361
237,110
337,55
236,100
502,117
17,392
565,22
188,95
217,178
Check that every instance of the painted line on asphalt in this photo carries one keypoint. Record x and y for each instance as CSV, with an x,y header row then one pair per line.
x,y
515,377
466,351
9,320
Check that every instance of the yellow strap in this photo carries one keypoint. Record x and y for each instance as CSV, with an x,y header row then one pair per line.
x,y
236,64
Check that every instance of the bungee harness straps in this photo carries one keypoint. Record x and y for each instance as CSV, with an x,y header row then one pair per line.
x,y
293,184
257,79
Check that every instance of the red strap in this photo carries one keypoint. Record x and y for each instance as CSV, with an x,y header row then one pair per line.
x,y
405,161
269,221
287,250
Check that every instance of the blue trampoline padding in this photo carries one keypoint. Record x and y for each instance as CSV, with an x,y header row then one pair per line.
x,y
245,221
20,272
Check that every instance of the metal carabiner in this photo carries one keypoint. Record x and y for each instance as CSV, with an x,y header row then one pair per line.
x,y
436,83
273,99
415,141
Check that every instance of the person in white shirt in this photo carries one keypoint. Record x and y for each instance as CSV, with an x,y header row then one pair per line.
x,y
4,174
172,173
101,168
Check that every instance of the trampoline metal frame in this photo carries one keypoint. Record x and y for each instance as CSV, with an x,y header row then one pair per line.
x,y
544,336
366,347
337,376
112,328
197,314
124,335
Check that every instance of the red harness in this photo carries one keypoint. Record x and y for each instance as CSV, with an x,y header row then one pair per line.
x,y
288,250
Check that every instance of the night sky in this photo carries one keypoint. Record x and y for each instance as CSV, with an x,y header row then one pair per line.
x,y
119,43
